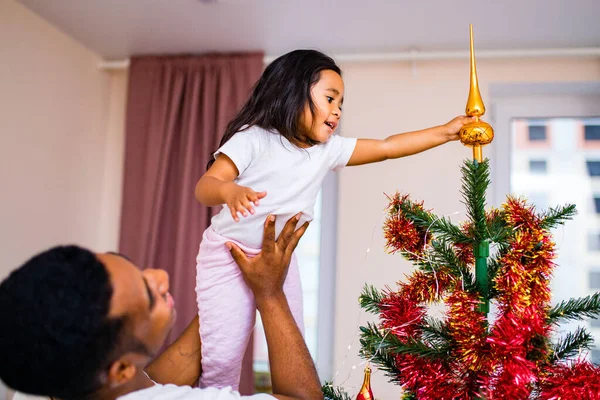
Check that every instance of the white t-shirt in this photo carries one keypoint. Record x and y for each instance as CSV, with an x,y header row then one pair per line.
x,y
174,392
291,176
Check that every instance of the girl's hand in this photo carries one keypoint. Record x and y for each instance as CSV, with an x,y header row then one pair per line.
x,y
240,199
453,127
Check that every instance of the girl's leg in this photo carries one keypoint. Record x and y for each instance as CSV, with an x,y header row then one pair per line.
x,y
227,314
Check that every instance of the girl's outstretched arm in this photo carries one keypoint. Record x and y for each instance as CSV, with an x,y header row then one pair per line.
x,y
217,187
406,144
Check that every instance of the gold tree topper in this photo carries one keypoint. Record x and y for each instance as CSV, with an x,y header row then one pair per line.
x,y
477,133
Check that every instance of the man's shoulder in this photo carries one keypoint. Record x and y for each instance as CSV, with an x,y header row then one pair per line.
x,y
172,392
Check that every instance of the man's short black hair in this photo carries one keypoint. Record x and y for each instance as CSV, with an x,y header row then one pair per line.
x,y
56,338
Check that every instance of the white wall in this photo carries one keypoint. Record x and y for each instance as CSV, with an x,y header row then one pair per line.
x,y
61,142
61,124
60,158
382,99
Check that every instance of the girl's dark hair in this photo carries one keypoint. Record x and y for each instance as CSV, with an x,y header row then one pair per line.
x,y
280,95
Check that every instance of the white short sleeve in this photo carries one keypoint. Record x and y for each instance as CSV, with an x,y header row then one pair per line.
x,y
340,151
241,148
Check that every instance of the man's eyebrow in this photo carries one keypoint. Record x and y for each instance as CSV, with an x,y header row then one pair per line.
x,y
116,253
150,295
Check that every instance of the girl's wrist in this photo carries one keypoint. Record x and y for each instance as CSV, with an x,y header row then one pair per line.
x,y
445,133
225,189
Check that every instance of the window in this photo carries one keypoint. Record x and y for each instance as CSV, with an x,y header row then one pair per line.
x,y
593,242
594,280
593,168
538,166
537,133
597,204
540,200
565,110
595,355
591,132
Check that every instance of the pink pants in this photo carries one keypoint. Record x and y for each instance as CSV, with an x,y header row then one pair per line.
x,y
227,310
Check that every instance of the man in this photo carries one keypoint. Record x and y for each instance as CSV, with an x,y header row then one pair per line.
x,y
78,325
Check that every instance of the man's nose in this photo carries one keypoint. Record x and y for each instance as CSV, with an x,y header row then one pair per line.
x,y
159,278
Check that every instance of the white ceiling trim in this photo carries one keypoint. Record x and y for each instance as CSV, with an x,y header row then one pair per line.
x,y
413,56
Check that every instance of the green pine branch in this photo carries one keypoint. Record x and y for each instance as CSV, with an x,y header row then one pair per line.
x,y
437,328
372,349
432,350
374,342
437,226
429,265
558,215
436,331
476,179
575,309
538,348
497,229
370,299
571,344
381,349
443,254
493,267
331,392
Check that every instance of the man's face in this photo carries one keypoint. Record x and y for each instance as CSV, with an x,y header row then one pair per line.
x,y
143,297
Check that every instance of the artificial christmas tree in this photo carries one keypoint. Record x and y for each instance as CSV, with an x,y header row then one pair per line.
x,y
500,256
467,354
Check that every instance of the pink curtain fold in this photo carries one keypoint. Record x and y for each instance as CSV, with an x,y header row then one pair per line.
x,y
177,110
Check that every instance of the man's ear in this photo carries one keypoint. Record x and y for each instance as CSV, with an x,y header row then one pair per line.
x,y
121,371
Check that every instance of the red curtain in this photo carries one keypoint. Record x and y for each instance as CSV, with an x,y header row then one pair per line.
x,y
177,110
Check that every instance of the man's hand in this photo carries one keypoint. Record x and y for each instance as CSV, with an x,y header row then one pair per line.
x,y
293,373
266,272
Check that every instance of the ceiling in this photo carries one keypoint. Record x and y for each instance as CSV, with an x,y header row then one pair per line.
x,y
117,29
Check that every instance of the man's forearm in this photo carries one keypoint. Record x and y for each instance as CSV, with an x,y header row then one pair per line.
x,y
179,364
293,372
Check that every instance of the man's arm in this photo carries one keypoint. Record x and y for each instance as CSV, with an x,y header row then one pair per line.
x,y
293,372
179,364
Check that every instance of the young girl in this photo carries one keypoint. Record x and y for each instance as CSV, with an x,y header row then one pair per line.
x,y
272,160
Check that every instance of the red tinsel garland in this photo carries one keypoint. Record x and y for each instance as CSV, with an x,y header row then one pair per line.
x,y
510,360
401,233
581,380
468,329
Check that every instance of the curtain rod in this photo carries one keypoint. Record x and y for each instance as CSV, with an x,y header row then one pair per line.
x,y
415,55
